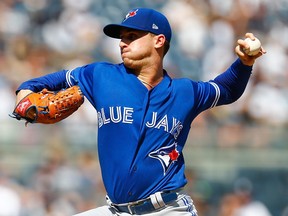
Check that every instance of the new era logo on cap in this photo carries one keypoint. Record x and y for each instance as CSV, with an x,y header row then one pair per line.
x,y
142,19
154,26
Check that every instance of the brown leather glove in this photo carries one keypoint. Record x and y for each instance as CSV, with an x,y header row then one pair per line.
x,y
49,107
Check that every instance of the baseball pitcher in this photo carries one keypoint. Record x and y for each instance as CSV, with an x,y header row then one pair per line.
x,y
144,115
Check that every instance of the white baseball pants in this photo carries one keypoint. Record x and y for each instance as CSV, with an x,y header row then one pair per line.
x,y
183,206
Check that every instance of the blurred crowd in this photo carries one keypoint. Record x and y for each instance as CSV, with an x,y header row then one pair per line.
x,y
42,36
52,187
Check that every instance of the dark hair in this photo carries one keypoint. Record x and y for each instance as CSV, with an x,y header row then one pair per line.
x,y
166,47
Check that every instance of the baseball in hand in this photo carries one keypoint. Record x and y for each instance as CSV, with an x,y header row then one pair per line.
x,y
254,47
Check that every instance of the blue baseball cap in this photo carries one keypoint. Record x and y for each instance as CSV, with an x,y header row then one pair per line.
x,y
142,19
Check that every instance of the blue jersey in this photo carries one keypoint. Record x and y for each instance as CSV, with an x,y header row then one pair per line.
x,y
141,132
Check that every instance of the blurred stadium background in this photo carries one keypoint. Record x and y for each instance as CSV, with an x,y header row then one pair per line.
x,y
53,170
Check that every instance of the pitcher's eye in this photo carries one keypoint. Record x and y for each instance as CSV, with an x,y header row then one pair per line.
x,y
132,36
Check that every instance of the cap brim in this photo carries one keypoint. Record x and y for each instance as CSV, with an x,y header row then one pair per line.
x,y
114,30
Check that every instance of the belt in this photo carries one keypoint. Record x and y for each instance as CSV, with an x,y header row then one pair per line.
x,y
154,202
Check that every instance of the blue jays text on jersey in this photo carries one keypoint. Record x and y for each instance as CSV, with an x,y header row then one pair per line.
x,y
125,115
141,132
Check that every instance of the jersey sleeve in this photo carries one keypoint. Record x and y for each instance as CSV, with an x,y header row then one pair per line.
x,y
208,95
83,76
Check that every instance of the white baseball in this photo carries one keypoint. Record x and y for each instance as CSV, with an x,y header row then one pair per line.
x,y
254,47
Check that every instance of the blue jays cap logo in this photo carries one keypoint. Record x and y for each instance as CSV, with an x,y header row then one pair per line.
x,y
166,155
144,19
130,14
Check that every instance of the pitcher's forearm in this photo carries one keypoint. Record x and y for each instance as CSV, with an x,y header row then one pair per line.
x,y
21,94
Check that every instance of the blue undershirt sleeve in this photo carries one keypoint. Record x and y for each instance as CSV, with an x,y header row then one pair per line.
x,y
233,82
53,82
